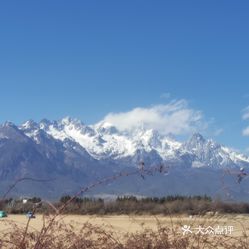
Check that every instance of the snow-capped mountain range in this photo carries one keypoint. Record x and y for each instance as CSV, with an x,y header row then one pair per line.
x,y
104,141
69,154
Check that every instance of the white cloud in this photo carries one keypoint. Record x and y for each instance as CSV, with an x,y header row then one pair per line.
x,y
245,132
245,115
175,117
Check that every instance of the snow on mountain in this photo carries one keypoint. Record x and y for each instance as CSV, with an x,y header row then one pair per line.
x,y
211,154
70,152
104,141
235,156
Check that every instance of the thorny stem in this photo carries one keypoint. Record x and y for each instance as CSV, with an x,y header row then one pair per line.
x,y
148,171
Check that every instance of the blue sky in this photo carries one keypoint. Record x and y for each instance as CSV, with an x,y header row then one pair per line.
x,y
86,59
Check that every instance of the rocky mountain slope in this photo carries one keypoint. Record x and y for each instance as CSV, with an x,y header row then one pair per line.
x,y
67,154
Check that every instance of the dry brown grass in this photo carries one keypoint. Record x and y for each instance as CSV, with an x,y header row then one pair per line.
x,y
121,232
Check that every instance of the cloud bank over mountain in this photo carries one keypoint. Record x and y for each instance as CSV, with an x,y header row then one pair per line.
x,y
175,117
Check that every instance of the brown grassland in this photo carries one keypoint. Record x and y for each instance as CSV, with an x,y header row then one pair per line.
x,y
122,231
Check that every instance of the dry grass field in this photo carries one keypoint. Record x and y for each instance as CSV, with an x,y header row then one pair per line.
x,y
123,231
121,224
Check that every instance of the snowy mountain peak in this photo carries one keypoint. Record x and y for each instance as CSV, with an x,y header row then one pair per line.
x,y
66,121
105,128
70,121
45,123
197,138
8,124
30,124
103,141
196,142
